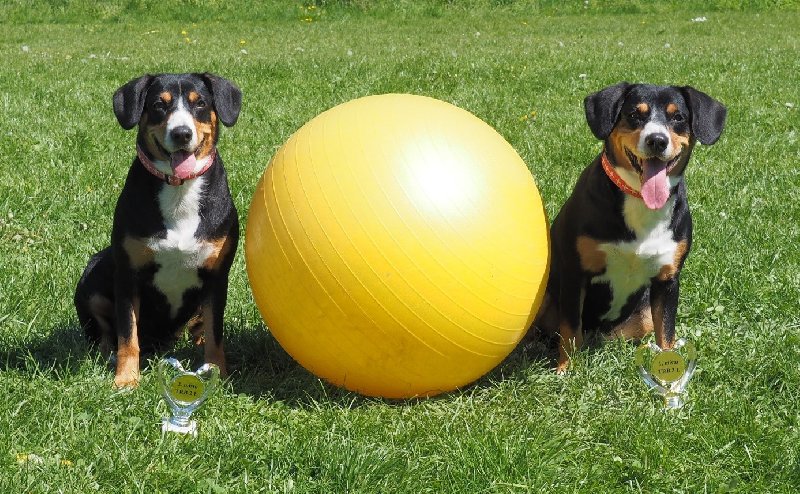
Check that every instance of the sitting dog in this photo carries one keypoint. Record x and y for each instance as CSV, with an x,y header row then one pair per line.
x,y
175,228
620,240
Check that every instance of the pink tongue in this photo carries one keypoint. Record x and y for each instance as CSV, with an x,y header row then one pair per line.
x,y
183,164
655,187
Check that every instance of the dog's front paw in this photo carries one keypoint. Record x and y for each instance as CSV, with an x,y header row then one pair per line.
x,y
214,354
127,375
127,380
223,368
562,368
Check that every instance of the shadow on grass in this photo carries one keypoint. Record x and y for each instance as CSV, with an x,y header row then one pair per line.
x,y
62,351
261,368
258,366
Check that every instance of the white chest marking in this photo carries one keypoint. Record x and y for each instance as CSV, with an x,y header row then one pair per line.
x,y
179,254
631,265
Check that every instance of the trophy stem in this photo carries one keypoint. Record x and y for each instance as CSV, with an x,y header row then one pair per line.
x,y
180,424
673,401
179,419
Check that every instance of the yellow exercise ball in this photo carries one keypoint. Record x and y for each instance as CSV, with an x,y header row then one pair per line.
x,y
397,246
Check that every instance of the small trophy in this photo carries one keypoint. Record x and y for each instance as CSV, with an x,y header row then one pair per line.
x,y
184,392
667,371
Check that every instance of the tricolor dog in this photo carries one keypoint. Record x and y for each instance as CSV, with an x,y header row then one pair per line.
x,y
620,240
175,228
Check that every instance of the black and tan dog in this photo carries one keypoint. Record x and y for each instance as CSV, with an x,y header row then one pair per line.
x,y
175,228
620,240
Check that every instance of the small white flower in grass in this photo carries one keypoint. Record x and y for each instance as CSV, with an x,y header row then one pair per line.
x,y
790,105
26,48
477,34
667,45
700,19
349,52
561,44
620,43
582,76
243,51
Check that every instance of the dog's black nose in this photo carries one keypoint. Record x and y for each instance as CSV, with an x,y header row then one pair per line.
x,y
181,135
656,142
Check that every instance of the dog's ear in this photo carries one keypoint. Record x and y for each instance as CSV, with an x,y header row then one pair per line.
x,y
708,115
129,101
602,108
227,98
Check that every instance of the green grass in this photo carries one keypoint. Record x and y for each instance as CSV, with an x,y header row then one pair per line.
x,y
276,428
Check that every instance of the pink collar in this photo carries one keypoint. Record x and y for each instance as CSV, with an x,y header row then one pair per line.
x,y
614,176
172,179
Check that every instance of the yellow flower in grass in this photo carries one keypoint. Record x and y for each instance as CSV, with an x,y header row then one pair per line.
x,y
23,458
29,458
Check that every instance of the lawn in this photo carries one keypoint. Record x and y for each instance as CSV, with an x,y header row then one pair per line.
x,y
523,67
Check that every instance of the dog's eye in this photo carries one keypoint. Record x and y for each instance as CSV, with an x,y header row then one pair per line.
x,y
201,103
159,105
678,117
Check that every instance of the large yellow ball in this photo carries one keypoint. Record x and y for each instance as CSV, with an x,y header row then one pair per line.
x,y
397,246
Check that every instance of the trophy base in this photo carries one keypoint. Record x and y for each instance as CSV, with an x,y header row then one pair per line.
x,y
168,426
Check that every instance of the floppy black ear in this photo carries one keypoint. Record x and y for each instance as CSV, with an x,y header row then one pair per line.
x,y
602,108
129,101
227,98
708,115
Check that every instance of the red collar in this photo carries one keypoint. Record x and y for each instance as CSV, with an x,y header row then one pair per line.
x,y
172,179
614,176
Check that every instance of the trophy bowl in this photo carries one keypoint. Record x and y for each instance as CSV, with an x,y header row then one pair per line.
x,y
185,391
667,372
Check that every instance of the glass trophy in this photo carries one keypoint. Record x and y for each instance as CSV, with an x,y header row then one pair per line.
x,y
667,372
185,392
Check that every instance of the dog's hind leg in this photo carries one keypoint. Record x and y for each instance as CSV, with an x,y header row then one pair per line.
x,y
570,310
94,302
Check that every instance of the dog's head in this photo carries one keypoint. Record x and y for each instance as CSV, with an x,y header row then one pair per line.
x,y
650,132
178,116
